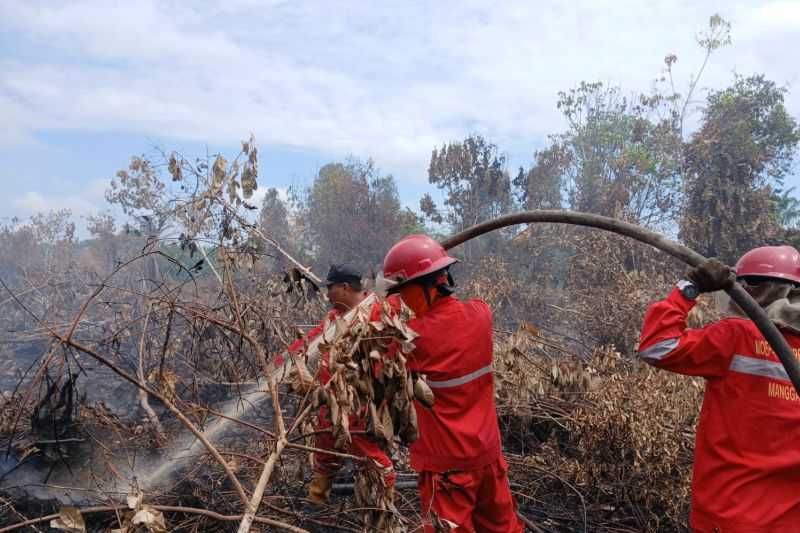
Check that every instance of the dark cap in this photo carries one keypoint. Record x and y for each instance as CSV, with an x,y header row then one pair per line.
x,y
343,274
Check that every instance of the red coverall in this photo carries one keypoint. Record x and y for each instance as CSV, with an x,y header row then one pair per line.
x,y
361,446
462,471
747,450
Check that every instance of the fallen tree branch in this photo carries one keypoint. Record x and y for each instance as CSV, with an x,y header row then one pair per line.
x,y
266,473
210,264
326,524
143,397
163,508
559,478
533,527
235,420
329,452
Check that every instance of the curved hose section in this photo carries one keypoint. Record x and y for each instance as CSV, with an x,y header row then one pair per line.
x,y
737,293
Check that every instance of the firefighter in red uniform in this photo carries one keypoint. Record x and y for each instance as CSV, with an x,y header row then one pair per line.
x,y
463,480
344,292
747,450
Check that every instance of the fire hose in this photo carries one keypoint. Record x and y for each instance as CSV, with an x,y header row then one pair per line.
x,y
748,305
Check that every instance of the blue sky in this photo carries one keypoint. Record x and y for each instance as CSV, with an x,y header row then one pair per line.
x,y
86,84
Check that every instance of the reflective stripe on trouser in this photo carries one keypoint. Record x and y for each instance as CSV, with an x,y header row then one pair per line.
x,y
455,382
472,500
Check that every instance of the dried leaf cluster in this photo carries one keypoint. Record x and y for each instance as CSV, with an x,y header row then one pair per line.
x,y
370,381
369,377
610,436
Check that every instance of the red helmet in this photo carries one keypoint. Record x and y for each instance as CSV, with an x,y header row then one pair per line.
x,y
782,262
413,257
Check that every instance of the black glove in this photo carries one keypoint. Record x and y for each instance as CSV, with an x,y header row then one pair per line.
x,y
711,276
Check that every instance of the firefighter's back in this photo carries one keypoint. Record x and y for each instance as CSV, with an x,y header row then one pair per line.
x,y
454,351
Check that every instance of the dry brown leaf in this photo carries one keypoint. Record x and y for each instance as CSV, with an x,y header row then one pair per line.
x,y
134,500
377,425
423,393
386,421
150,518
166,380
69,519
530,328
28,451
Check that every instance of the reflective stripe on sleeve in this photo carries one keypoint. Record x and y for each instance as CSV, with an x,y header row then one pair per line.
x,y
659,350
758,367
455,382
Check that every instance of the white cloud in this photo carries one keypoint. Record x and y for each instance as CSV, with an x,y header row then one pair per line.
x,y
781,16
32,202
89,201
387,80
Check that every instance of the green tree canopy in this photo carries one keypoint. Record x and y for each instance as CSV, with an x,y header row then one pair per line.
x,y
743,149
618,157
351,213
